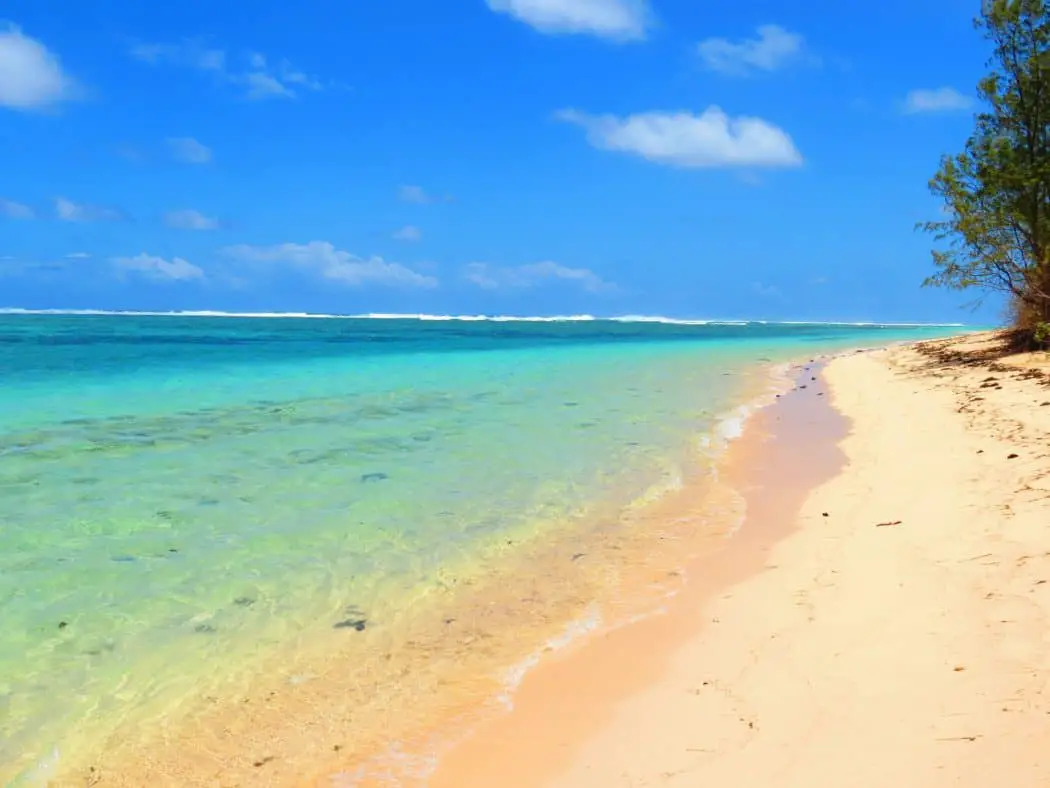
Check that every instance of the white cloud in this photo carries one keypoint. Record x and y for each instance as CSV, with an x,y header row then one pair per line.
x,y
77,256
323,259
31,76
936,100
255,75
774,48
155,267
189,219
682,139
187,149
189,54
522,277
15,210
408,233
69,211
294,77
420,196
618,20
415,194
263,85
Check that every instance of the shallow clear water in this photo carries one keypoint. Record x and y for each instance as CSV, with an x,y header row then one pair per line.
x,y
179,494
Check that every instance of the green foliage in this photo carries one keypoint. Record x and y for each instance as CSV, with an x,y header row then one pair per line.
x,y
1041,334
996,232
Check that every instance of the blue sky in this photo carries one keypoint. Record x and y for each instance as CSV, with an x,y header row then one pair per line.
x,y
756,159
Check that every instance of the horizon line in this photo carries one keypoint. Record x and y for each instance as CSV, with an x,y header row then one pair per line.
x,y
581,318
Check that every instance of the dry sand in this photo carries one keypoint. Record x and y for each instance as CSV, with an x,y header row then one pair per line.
x,y
899,633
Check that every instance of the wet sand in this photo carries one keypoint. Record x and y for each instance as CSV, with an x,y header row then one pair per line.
x,y
371,705
787,449
883,617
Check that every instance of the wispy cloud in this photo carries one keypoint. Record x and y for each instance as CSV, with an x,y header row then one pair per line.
x,y
69,211
15,210
279,81
774,48
419,196
617,20
152,267
322,259
408,233
13,267
191,53
682,139
252,71
189,219
189,150
31,76
490,277
262,85
78,256
936,100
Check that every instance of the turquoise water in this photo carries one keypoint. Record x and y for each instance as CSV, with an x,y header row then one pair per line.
x,y
178,494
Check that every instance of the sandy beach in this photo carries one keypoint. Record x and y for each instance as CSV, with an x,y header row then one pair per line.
x,y
882,618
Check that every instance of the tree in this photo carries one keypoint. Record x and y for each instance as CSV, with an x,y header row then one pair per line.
x,y
996,193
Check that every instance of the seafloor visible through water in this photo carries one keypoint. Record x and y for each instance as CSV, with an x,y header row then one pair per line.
x,y
201,513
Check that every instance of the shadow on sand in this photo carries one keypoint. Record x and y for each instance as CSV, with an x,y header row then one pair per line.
x,y
1002,351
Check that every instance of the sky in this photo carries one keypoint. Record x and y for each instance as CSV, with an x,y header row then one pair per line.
x,y
757,160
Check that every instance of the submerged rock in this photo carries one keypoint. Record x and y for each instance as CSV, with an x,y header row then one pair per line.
x,y
357,624
373,477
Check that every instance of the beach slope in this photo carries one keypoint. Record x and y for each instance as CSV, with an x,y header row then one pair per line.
x,y
901,636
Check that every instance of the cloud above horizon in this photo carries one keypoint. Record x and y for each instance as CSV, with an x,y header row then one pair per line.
x,y
322,259
409,233
189,219
417,195
15,210
252,71
936,100
616,20
69,211
188,150
31,76
683,139
773,49
157,268
523,277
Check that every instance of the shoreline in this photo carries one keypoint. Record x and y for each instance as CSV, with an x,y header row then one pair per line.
x,y
580,686
722,553
288,731
897,634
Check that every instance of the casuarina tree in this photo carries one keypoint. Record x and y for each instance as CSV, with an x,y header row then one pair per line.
x,y
995,234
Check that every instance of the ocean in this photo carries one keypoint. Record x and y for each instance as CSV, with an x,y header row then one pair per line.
x,y
335,531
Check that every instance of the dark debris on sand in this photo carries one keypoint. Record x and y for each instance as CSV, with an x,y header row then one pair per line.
x,y
357,624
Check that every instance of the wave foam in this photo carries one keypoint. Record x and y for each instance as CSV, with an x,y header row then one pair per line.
x,y
674,321
575,630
